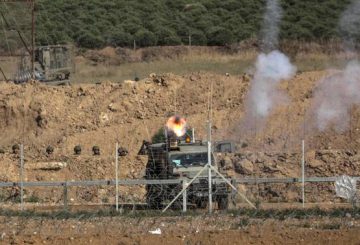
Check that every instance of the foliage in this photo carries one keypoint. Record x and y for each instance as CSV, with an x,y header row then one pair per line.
x,y
145,38
33,199
88,39
246,214
98,23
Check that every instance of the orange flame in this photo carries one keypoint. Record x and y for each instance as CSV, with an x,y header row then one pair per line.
x,y
177,125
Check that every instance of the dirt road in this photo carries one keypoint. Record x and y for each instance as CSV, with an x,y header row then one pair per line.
x,y
198,229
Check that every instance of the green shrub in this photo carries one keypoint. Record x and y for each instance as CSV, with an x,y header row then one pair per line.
x,y
166,36
120,39
198,38
90,40
33,199
219,36
145,38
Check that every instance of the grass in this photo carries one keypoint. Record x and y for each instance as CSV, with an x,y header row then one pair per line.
x,y
91,214
331,226
205,60
235,64
296,213
243,223
220,64
33,199
324,226
245,214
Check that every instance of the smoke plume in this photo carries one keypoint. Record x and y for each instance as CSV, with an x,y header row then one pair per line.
x,y
270,28
349,25
335,96
272,66
270,70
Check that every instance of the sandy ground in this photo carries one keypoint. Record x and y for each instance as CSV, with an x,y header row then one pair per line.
x,y
204,229
102,114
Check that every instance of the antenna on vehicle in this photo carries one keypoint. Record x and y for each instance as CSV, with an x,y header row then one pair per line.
x,y
33,39
166,139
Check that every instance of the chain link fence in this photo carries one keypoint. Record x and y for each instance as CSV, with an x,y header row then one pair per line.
x,y
158,188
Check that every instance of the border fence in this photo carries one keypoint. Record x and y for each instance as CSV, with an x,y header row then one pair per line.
x,y
131,182
180,194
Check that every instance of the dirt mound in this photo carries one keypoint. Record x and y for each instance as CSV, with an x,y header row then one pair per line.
x,y
102,114
319,163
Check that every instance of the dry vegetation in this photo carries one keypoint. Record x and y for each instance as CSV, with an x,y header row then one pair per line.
x,y
117,64
190,60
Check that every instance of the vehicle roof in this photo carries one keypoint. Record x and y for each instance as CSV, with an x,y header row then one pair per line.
x,y
183,148
191,149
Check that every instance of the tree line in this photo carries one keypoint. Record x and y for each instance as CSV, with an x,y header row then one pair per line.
x,y
99,23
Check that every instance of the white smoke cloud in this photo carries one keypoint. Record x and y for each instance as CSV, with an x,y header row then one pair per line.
x,y
270,70
270,28
335,96
349,25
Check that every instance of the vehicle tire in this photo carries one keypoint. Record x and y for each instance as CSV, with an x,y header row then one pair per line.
x,y
201,203
178,204
153,196
154,203
223,202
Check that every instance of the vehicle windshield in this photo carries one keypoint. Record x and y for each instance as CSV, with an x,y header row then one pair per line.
x,y
189,159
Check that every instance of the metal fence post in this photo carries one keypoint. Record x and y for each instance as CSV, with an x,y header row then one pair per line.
x,y
210,188
65,196
303,173
184,185
117,176
22,177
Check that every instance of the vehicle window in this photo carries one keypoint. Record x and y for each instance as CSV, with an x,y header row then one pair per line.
x,y
177,162
191,159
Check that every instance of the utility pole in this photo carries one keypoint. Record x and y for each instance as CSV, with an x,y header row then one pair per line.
x,y
32,51
11,28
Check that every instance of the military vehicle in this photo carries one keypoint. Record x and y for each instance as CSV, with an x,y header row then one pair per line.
x,y
52,63
183,159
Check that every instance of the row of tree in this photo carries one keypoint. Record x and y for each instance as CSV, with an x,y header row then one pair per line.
x,y
98,23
